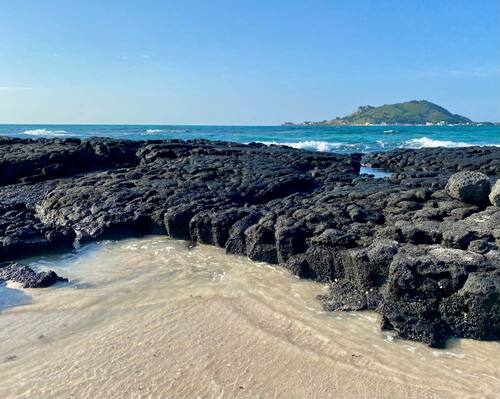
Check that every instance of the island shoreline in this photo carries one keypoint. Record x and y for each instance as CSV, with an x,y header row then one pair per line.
x,y
401,245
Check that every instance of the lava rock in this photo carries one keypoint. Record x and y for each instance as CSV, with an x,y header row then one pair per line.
x,y
470,187
474,310
347,296
369,267
290,235
401,245
424,287
494,196
28,277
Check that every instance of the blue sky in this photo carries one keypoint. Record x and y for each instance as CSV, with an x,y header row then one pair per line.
x,y
243,62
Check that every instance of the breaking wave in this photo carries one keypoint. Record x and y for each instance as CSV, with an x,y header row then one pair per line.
x,y
152,131
321,146
45,132
426,142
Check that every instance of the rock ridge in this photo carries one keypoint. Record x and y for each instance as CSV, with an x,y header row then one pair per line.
x,y
425,259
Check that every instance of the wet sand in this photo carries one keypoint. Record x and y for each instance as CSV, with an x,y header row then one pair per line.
x,y
150,318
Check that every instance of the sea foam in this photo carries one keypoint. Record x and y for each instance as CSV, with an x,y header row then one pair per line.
x,y
152,131
45,132
321,146
426,142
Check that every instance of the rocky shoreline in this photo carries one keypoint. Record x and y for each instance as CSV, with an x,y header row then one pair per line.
x,y
420,247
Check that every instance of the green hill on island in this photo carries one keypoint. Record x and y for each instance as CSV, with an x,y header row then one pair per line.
x,y
408,113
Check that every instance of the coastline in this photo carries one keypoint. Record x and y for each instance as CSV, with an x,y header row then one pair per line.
x,y
310,212
249,200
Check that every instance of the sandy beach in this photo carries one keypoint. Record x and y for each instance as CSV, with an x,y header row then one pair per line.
x,y
150,318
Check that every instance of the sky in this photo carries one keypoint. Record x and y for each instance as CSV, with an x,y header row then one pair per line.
x,y
243,62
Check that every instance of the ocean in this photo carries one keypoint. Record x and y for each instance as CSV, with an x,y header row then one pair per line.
x,y
344,139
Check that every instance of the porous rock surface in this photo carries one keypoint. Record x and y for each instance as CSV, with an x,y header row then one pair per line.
x,y
426,261
470,187
28,277
494,196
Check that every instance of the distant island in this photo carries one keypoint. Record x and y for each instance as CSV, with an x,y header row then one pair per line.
x,y
416,112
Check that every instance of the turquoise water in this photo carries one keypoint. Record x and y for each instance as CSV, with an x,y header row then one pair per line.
x,y
320,138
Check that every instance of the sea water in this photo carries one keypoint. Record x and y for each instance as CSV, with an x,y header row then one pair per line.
x,y
343,139
156,318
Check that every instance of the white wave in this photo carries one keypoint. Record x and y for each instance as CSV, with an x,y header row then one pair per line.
x,y
425,142
321,146
390,131
150,131
45,132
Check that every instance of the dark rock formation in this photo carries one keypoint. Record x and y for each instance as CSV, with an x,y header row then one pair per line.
x,y
25,160
346,295
470,187
400,245
28,277
428,291
420,163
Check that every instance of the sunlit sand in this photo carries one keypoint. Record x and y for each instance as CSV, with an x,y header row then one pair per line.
x,y
150,318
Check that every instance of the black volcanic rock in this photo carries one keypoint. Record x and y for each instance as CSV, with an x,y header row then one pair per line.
x,y
438,161
347,296
28,277
470,187
25,160
399,245
427,287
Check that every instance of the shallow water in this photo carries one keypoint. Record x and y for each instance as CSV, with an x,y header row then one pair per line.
x,y
377,173
150,318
